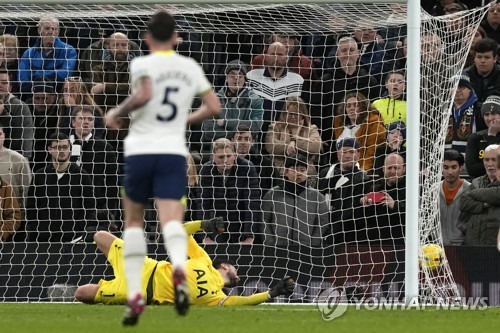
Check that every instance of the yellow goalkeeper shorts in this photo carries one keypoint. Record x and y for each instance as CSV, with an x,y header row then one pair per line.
x,y
115,291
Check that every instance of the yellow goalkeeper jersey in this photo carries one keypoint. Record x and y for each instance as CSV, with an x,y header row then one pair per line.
x,y
204,281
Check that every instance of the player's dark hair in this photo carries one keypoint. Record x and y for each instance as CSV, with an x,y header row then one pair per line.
x,y
486,45
161,26
58,136
453,155
217,262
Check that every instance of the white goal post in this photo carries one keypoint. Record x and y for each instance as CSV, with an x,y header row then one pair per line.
x,y
429,86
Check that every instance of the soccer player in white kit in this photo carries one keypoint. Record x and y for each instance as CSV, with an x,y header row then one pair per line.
x,y
164,85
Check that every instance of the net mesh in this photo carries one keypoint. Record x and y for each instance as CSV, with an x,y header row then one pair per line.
x,y
333,229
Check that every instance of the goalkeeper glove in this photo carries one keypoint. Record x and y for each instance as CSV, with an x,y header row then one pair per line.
x,y
284,287
216,225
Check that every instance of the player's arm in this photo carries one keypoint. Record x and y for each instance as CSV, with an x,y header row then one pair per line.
x,y
284,287
216,225
138,99
210,108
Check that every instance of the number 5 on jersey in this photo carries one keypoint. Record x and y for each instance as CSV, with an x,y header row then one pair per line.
x,y
166,101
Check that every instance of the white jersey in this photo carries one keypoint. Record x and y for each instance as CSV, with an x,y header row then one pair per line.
x,y
159,127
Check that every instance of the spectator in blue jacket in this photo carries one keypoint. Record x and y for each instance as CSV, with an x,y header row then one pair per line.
x,y
49,59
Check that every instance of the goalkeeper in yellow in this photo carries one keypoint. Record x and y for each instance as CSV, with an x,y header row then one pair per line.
x,y
205,278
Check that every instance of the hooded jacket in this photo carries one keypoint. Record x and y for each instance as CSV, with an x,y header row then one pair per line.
x,y
244,108
391,109
451,219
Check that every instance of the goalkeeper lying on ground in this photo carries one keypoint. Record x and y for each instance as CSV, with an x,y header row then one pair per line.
x,y
205,278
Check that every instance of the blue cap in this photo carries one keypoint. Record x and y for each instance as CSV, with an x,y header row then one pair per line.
x,y
347,142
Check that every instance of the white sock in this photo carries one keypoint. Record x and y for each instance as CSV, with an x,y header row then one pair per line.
x,y
134,253
175,240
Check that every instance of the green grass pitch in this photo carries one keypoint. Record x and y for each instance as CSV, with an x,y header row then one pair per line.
x,y
53,318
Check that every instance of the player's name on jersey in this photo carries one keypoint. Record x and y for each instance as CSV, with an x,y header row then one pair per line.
x,y
176,75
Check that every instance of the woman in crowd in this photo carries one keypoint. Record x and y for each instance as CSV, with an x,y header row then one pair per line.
x,y
357,118
293,134
75,93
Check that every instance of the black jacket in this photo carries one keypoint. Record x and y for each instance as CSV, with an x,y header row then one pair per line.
x,y
383,224
45,125
60,209
235,196
474,152
99,159
344,190
484,86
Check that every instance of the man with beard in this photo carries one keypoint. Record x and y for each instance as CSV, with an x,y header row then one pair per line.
x,y
93,57
295,214
111,79
45,118
205,278
274,83
297,61
342,184
49,60
61,203
16,119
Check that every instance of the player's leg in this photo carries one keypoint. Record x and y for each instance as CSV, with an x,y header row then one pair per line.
x,y
103,240
134,253
169,187
137,191
87,293
170,214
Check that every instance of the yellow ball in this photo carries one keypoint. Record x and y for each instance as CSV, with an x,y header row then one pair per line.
x,y
432,256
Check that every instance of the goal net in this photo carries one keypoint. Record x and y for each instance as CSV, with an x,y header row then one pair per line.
x,y
321,92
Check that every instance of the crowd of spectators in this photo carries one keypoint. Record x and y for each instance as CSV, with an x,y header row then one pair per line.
x,y
309,150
